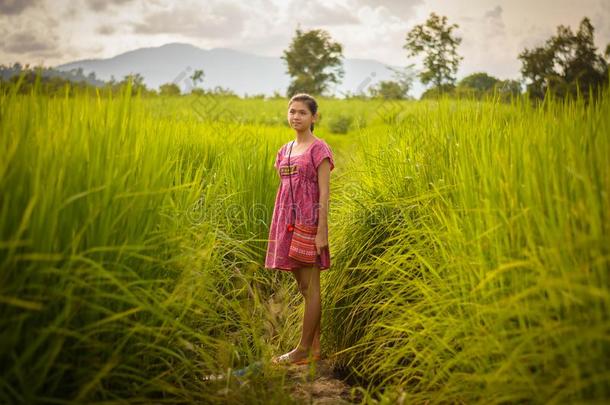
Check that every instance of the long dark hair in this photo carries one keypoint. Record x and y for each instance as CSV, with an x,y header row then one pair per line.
x,y
310,101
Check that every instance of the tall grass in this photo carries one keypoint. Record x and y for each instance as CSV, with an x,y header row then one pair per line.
x,y
469,243
473,240
124,263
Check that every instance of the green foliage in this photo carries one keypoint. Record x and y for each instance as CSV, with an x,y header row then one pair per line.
x,y
436,40
480,82
481,85
477,86
468,239
197,77
566,64
340,124
438,92
509,86
198,92
388,90
470,247
129,263
169,89
259,96
396,89
213,92
47,80
313,61
134,82
48,74
41,80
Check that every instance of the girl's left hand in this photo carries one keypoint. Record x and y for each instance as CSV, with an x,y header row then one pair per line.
x,y
321,241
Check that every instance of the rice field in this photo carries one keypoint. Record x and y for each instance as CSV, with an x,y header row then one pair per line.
x,y
469,240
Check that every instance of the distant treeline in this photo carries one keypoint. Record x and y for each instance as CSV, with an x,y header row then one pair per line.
x,y
566,65
49,81
46,80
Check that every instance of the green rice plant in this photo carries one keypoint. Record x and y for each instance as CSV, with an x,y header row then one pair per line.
x,y
113,289
469,244
473,249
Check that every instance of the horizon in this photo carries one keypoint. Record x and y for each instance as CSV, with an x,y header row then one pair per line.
x,y
39,32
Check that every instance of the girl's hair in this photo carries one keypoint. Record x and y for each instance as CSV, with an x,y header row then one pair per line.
x,y
311,103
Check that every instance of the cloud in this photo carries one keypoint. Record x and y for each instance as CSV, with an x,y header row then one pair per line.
x,y
27,42
16,7
494,13
313,12
404,9
105,29
601,21
486,44
535,35
494,24
213,20
101,5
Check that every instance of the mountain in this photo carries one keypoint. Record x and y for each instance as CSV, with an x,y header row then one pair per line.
x,y
242,72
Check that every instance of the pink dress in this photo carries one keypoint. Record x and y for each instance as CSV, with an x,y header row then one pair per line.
x,y
304,174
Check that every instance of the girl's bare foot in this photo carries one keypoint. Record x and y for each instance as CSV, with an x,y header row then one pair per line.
x,y
293,356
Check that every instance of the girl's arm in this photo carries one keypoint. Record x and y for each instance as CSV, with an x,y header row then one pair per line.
x,y
278,158
324,188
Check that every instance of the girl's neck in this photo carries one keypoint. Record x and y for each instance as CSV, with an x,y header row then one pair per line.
x,y
305,137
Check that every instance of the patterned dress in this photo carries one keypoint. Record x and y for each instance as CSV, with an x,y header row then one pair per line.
x,y
303,172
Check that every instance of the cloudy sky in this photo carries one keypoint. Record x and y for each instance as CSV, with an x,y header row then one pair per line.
x,y
493,31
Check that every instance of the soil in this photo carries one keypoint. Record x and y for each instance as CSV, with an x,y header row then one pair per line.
x,y
317,384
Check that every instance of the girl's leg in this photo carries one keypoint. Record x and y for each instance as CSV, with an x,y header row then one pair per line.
x,y
315,345
308,279
310,288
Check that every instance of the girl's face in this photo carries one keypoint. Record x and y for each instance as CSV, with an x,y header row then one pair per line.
x,y
299,116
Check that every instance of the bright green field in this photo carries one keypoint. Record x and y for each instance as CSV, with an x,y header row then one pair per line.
x,y
470,250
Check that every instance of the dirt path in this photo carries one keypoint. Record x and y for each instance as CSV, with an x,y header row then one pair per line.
x,y
314,384
317,384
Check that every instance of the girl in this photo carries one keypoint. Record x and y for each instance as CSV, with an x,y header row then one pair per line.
x,y
311,161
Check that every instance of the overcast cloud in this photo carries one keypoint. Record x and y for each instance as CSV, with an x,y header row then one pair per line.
x,y
493,32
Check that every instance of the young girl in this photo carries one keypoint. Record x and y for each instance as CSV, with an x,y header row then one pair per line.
x,y
311,161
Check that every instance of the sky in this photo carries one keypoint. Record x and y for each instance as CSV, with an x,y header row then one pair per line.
x,y
493,32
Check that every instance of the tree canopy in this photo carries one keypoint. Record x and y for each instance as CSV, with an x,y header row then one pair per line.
x,y
436,40
314,62
395,89
480,85
169,89
566,62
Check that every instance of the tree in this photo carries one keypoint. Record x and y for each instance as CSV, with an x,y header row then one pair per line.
x,y
480,81
222,91
438,91
565,63
137,83
197,76
476,85
436,40
169,89
388,90
394,89
508,88
480,85
313,61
